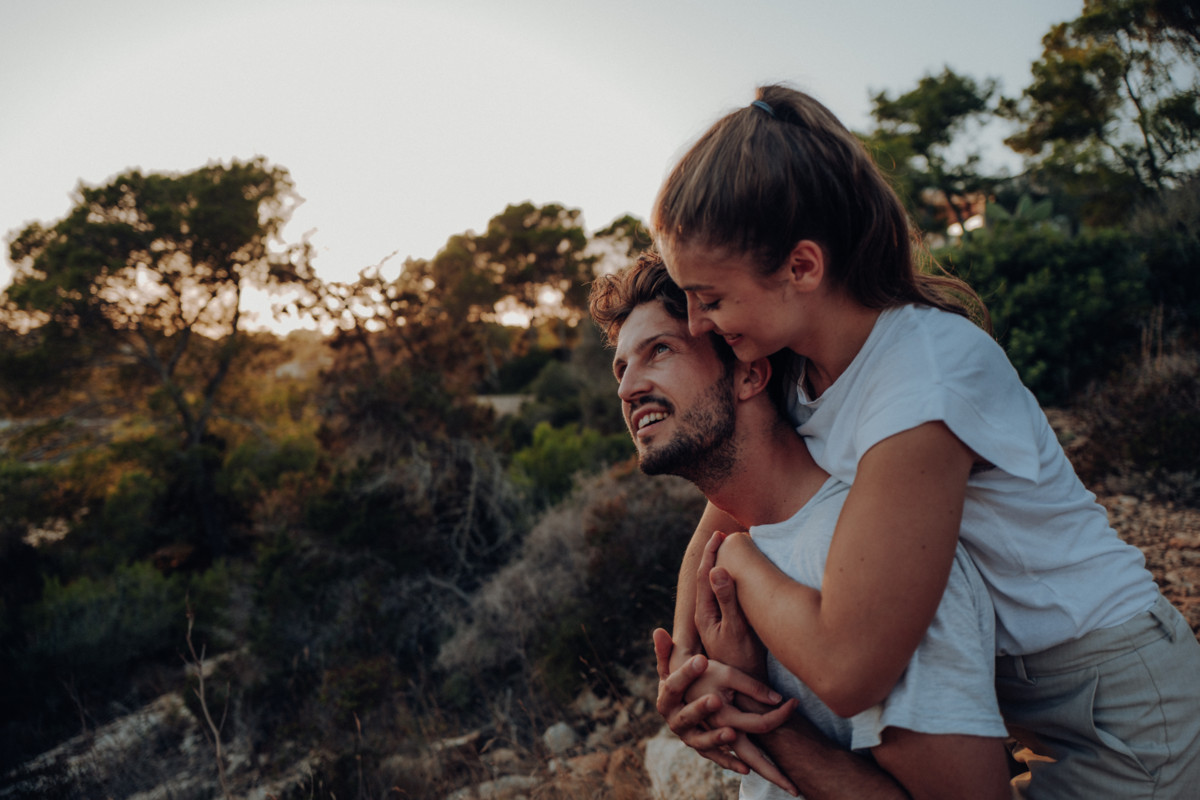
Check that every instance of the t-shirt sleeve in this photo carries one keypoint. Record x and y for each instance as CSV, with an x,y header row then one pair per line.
x,y
969,385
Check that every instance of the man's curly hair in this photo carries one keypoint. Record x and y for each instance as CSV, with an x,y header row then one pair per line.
x,y
614,297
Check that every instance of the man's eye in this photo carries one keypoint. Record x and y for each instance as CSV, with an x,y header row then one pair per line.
x,y
661,348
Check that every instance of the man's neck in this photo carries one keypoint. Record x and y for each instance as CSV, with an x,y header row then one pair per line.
x,y
774,477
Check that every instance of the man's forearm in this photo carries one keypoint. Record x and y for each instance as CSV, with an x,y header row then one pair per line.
x,y
820,768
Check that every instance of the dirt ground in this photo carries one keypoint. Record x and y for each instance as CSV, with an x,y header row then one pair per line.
x,y
1168,536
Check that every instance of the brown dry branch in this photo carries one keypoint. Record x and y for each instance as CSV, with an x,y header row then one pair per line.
x,y
215,737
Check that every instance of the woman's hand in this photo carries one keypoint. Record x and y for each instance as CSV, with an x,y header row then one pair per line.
x,y
696,701
722,626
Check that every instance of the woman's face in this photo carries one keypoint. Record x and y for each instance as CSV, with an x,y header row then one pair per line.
x,y
756,315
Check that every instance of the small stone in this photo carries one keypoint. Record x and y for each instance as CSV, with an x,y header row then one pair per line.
x,y
598,737
559,738
506,788
623,765
591,763
677,770
588,704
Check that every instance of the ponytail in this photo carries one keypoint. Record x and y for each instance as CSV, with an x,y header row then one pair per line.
x,y
783,170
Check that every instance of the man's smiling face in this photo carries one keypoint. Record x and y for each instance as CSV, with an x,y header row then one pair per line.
x,y
677,396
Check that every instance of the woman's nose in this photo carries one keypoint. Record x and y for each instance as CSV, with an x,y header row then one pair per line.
x,y
698,321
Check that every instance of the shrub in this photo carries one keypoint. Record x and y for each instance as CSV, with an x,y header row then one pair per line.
x,y
1144,429
592,580
549,465
95,628
1062,307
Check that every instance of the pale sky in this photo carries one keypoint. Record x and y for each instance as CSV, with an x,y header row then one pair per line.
x,y
407,121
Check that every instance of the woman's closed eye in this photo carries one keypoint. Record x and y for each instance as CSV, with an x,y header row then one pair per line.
x,y
708,306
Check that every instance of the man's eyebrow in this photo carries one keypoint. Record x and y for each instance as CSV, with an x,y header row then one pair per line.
x,y
644,343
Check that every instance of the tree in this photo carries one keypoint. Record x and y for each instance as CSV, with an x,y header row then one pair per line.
x,y
913,139
1112,110
136,296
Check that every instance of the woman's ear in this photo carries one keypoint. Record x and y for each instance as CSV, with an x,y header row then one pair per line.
x,y
753,378
806,265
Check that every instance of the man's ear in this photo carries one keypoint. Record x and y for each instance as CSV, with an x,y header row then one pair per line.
x,y
806,265
752,378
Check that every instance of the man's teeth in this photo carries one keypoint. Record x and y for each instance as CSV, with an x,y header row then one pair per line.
x,y
653,417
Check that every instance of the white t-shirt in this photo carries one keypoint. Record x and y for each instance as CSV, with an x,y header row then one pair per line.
x,y
1055,568
948,686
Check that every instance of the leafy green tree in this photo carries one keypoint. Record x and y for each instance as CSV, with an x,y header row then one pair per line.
x,y
1112,110
135,296
913,142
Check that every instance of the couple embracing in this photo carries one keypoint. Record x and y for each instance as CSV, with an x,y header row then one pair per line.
x,y
923,573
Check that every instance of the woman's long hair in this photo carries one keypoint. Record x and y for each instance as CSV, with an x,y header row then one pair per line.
x,y
784,169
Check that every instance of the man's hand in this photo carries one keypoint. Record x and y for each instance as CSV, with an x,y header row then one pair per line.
x,y
723,628
710,723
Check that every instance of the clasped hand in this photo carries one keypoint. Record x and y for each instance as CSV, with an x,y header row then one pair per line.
x,y
700,699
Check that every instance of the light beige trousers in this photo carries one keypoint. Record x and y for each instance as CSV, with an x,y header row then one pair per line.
x,y
1114,714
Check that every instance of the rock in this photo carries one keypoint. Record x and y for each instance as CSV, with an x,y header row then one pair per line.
x,y
598,738
464,742
643,686
559,738
677,772
506,788
592,763
588,705
502,760
625,768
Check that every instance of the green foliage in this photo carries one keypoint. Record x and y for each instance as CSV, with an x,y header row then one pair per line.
x,y
1168,231
1064,308
94,628
1112,110
912,142
258,465
549,465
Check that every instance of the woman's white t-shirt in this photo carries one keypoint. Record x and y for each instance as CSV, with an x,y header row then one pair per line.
x,y
1054,567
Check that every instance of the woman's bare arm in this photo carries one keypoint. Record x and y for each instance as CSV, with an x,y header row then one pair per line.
x,y
886,572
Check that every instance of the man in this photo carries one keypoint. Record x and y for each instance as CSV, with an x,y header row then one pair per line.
x,y
695,411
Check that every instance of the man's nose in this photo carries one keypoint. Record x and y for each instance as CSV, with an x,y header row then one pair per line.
x,y
634,384
698,321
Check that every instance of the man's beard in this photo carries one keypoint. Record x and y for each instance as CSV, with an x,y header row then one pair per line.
x,y
703,449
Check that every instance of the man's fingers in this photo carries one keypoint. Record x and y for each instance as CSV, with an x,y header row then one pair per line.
x,y
674,686
726,759
753,723
683,719
662,652
701,740
741,682
754,758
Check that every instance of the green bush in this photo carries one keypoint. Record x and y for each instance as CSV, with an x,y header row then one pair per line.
x,y
95,628
1063,307
549,465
